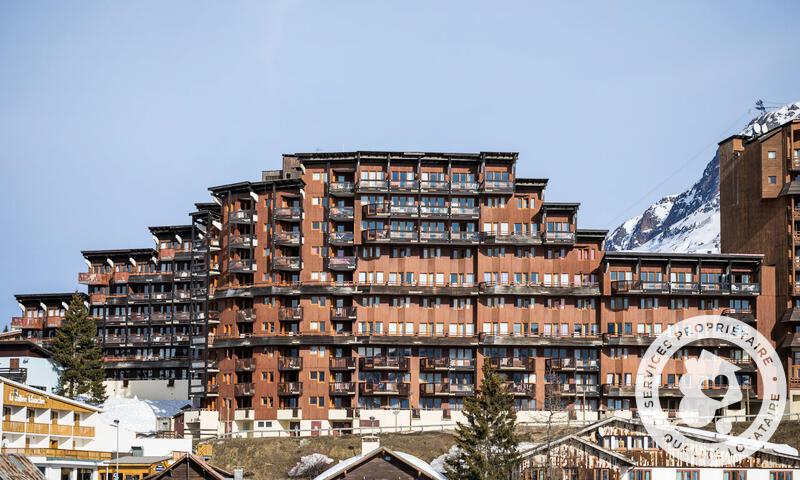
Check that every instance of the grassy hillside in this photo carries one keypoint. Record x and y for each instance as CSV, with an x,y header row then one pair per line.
x,y
271,458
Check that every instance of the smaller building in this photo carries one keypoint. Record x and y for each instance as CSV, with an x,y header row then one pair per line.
x,y
61,436
622,449
191,466
134,467
376,463
26,362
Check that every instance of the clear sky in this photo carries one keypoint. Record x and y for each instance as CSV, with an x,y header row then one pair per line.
x,y
119,115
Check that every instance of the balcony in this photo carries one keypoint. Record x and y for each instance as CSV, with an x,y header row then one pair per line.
x,y
344,313
342,388
243,389
243,241
26,322
433,212
89,278
161,296
384,363
245,315
97,298
288,214
289,414
375,236
434,185
61,453
341,213
444,363
243,217
511,363
289,364
242,266
458,389
138,339
428,236
403,235
514,238
245,364
372,185
404,185
15,374
286,238
341,238
521,389
290,388
291,264
573,389
432,389
559,237
584,364
290,314
464,187
498,186
465,212
341,188
404,210
114,340
383,388
465,237
342,363
377,210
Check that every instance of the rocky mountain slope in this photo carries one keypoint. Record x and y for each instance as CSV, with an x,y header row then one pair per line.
x,y
689,221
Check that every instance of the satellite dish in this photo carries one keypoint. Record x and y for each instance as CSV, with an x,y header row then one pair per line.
x,y
757,128
764,128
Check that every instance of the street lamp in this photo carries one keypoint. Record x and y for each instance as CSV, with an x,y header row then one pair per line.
x,y
116,473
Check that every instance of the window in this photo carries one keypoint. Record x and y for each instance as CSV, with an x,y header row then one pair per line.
x,y
734,475
780,475
641,475
772,154
688,475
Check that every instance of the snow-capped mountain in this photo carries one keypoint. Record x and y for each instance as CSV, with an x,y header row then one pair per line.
x,y
689,222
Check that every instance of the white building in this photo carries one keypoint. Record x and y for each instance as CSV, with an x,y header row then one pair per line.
x,y
26,362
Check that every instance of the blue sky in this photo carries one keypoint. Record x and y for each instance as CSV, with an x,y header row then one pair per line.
x,y
119,115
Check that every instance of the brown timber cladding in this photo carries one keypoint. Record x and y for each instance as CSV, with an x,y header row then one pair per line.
x,y
383,280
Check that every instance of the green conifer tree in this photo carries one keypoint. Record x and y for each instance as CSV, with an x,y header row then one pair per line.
x,y
487,442
76,351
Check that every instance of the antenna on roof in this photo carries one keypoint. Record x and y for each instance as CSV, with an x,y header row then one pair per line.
x,y
760,106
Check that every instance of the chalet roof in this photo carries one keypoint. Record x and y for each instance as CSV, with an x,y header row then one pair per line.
x,y
14,345
211,472
424,470
18,467
574,438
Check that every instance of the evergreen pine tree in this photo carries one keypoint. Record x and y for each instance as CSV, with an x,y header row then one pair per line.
x,y
487,442
78,354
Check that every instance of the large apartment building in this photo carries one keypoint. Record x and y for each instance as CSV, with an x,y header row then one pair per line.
x,y
760,212
365,289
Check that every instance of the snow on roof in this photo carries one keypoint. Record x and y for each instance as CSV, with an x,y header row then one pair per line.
x,y
140,416
420,464
415,462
